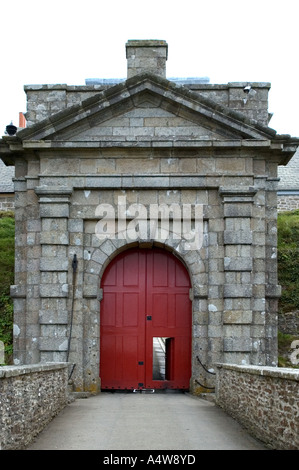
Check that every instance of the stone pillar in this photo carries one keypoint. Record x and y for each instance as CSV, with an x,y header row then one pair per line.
x,y
272,289
238,288
54,267
25,292
146,56
18,291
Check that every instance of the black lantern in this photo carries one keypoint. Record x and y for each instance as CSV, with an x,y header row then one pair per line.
x,y
11,129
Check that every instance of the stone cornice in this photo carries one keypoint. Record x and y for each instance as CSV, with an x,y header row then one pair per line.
x,y
53,191
232,193
153,143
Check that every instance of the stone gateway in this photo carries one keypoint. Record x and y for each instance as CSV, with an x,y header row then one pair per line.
x,y
203,160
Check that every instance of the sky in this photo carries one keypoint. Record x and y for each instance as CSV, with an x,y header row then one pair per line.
x,y
68,41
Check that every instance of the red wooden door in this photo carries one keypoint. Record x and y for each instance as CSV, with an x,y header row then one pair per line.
x,y
145,322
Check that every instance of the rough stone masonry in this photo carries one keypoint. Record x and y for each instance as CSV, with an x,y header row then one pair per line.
x,y
154,141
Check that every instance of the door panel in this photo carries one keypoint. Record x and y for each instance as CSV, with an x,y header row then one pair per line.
x,y
145,296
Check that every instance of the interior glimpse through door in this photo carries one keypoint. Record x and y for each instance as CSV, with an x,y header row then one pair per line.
x,y
145,319
162,358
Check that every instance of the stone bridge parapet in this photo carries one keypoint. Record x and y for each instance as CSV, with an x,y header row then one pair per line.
x,y
264,400
30,397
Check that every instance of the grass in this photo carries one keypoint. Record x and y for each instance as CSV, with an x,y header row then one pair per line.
x,y
288,277
285,350
288,260
7,252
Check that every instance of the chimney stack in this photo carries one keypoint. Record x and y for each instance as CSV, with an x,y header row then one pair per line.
x,y
146,56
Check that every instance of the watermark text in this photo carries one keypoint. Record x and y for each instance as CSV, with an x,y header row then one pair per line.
x,y
294,356
181,222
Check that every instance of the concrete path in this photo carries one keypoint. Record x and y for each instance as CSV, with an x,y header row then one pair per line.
x,y
144,421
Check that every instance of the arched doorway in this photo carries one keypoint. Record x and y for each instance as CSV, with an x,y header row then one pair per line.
x,y
145,322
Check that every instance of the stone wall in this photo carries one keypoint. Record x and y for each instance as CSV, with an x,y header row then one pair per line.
x,y
287,202
30,396
288,322
264,400
7,202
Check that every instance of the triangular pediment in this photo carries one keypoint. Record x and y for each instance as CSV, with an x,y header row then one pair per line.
x,y
144,122
142,109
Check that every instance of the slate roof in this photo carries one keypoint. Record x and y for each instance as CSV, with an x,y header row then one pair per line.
x,y
289,174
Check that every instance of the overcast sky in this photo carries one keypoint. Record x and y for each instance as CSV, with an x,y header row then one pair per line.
x,y
67,41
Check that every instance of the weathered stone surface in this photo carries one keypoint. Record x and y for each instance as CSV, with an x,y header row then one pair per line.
x,y
90,291
238,290
54,210
238,264
146,55
54,290
18,291
239,237
237,344
54,264
238,210
53,317
53,344
237,316
54,238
